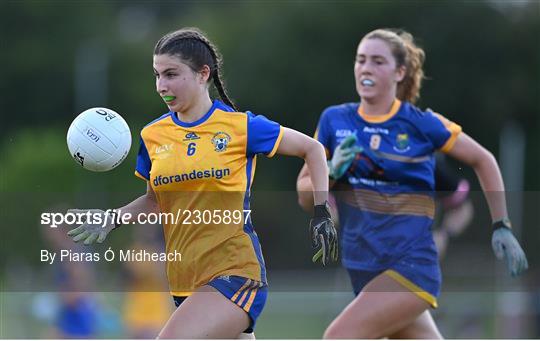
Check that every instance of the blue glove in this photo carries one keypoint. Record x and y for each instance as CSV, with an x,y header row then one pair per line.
x,y
506,246
343,157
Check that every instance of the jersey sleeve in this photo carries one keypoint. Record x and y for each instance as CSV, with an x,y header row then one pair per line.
x,y
144,164
441,131
263,135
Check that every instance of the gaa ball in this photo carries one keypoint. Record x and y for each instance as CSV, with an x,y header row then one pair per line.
x,y
99,139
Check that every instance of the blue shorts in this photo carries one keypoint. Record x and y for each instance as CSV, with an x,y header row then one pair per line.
x,y
422,279
246,293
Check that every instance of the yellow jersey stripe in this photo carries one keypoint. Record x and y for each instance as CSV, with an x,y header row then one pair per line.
x,y
454,129
426,296
251,299
244,296
278,141
248,282
395,204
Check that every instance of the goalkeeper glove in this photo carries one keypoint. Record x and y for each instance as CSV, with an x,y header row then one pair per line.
x,y
506,246
343,157
91,232
323,235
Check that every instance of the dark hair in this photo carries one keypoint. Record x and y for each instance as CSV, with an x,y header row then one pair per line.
x,y
193,48
407,54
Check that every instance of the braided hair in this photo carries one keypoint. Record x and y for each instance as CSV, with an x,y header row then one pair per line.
x,y
191,45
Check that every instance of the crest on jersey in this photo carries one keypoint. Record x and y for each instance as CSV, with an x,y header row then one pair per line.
x,y
402,143
221,141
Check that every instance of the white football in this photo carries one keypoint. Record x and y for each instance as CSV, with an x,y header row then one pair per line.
x,y
99,139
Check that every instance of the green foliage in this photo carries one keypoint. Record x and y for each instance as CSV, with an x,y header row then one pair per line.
x,y
38,161
38,175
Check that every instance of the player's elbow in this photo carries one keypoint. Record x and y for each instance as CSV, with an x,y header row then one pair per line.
x,y
319,148
313,149
483,158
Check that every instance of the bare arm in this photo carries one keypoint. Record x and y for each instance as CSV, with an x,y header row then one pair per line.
x,y
470,152
297,144
484,164
146,203
305,189
322,231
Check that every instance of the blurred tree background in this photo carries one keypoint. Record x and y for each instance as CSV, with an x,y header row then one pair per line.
x,y
286,60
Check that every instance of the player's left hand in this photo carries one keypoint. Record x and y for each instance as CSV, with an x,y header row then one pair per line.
x,y
89,231
323,235
343,157
506,246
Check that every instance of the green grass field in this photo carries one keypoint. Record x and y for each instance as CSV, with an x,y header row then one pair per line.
x,y
295,313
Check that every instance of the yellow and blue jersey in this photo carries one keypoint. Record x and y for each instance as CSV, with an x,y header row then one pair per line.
x,y
385,199
207,166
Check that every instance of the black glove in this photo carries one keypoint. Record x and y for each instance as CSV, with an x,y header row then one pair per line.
x,y
323,235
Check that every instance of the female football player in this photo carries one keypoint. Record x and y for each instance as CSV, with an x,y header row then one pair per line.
x,y
382,167
199,160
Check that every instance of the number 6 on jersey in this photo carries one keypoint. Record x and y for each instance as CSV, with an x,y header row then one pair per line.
x,y
191,148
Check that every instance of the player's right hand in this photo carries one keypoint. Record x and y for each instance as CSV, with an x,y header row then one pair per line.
x,y
323,235
343,157
90,231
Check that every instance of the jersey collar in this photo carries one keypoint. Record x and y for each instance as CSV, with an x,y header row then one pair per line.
x,y
215,105
380,118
